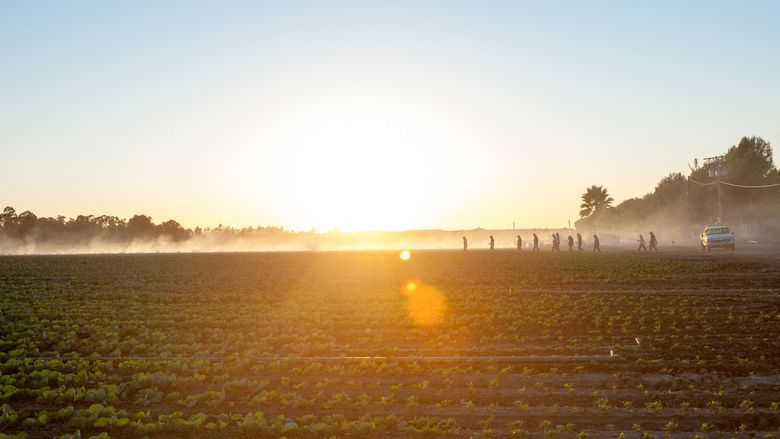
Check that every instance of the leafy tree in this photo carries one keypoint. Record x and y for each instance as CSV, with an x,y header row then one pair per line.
x,y
107,222
671,190
174,230
141,227
83,227
750,161
8,216
27,221
594,200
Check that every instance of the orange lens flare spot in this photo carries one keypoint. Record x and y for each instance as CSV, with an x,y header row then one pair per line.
x,y
405,255
425,305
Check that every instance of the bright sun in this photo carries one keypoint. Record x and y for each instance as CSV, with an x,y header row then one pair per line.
x,y
363,166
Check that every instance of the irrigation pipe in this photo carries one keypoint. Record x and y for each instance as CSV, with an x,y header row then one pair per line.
x,y
521,358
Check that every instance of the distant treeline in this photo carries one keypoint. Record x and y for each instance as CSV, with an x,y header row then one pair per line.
x,y
681,201
26,227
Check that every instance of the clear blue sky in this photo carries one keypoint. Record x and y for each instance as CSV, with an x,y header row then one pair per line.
x,y
368,115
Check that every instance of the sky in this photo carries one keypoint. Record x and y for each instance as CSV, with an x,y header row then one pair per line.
x,y
371,115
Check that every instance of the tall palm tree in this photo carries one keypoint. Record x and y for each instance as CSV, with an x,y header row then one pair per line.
x,y
594,199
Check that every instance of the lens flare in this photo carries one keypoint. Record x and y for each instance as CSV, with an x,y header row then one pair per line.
x,y
405,255
425,305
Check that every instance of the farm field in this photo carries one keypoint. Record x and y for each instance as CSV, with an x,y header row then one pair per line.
x,y
363,344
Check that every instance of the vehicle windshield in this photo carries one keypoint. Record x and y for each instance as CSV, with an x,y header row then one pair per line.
x,y
717,231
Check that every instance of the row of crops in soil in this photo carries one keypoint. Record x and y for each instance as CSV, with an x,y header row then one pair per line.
x,y
362,344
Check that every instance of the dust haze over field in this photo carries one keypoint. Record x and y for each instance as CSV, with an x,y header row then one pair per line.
x,y
229,241
620,235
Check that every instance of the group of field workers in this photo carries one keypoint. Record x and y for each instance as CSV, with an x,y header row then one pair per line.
x,y
653,243
571,241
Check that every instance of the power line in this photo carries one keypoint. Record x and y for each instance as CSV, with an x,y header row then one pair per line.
x,y
751,187
735,185
702,184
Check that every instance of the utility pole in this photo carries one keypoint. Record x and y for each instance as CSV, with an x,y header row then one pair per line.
x,y
720,202
717,169
688,196
693,169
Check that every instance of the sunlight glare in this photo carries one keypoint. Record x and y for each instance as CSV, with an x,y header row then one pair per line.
x,y
346,157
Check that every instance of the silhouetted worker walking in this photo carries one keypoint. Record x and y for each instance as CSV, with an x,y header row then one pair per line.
x,y
579,242
536,243
554,243
465,244
557,241
653,242
571,243
596,244
492,243
641,241
519,242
